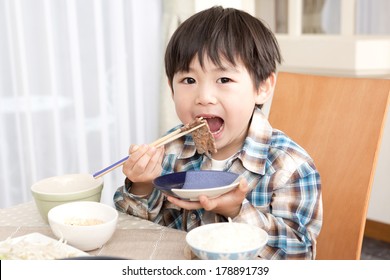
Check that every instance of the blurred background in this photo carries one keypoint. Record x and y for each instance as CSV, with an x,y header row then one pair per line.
x,y
80,80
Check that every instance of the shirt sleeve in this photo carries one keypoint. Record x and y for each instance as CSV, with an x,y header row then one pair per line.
x,y
145,207
293,215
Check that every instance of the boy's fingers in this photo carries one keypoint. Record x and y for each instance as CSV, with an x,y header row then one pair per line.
x,y
208,204
189,205
133,148
243,186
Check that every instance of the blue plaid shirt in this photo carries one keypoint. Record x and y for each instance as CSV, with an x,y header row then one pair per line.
x,y
285,197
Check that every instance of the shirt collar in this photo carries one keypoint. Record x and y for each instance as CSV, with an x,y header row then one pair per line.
x,y
254,151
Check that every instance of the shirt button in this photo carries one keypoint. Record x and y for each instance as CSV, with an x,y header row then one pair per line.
x,y
193,216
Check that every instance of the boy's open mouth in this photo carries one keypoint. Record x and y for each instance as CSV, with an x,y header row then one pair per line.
x,y
215,124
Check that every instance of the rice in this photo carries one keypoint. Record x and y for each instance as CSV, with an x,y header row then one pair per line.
x,y
227,238
83,222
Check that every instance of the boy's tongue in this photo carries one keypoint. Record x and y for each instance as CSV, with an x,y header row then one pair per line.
x,y
214,124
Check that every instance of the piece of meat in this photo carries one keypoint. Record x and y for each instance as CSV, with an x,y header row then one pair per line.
x,y
203,138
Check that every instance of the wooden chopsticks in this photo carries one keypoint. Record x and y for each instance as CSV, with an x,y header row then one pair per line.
x,y
158,143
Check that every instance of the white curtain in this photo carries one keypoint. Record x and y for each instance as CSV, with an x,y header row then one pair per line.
x,y
373,17
79,82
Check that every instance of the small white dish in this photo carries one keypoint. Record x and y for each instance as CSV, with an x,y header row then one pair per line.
x,y
36,246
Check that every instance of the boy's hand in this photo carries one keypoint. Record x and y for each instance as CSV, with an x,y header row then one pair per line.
x,y
144,163
227,205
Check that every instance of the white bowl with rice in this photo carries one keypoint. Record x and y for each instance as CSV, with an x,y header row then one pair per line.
x,y
227,241
86,225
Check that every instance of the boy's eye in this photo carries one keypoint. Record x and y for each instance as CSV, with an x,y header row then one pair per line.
x,y
189,81
223,80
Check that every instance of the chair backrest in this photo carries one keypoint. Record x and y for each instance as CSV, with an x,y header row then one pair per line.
x,y
339,121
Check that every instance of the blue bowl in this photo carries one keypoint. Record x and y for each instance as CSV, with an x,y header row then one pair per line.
x,y
196,183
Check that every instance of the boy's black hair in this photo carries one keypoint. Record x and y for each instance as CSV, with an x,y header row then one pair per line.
x,y
224,33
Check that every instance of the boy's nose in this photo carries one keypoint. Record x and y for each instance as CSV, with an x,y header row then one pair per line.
x,y
205,96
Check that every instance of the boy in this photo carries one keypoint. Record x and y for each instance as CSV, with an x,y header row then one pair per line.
x,y
221,66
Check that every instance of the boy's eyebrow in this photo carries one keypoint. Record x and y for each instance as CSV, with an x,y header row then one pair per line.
x,y
228,68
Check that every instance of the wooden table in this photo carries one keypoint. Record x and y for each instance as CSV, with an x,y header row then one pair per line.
x,y
134,238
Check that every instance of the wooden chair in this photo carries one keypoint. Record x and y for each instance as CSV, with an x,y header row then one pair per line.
x,y
339,121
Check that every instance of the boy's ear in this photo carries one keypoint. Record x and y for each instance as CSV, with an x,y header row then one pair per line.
x,y
266,89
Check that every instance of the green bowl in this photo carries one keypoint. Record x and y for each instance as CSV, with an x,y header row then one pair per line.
x,y
54,191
